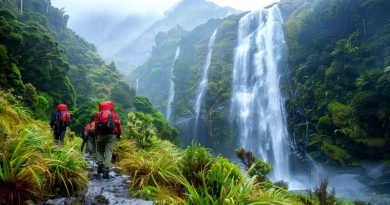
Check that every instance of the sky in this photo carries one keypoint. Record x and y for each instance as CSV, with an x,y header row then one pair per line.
x,y
75,8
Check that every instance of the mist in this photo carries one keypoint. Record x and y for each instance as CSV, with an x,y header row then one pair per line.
x,y
152,8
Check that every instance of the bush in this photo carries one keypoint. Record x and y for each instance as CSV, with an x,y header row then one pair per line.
x,y
67,170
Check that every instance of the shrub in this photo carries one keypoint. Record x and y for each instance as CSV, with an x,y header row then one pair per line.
x,y
221,175
67,170
194,160
20,172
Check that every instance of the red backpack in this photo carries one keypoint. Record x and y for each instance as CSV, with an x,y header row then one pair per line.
x,y
106,119
62,116
89,129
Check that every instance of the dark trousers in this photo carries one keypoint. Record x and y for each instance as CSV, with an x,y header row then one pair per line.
x,y
59,135
84,144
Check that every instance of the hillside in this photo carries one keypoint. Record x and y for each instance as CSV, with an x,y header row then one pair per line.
x,y
338,58
45,63
336,86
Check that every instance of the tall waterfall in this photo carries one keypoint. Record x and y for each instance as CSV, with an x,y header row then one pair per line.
x,y
136,85
199,101
257,105
171,95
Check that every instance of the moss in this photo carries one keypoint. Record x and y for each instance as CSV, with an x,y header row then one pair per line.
x,y
335,154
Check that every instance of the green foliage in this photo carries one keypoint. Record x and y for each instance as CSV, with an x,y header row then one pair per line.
x,y
20,172
281,184
152,167
338,74
47,64
260,169
163,130
154,75
341,114
254,166
222,174
140,129
335,153
67,171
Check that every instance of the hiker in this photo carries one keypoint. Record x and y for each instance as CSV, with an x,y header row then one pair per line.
x,y
85,138
108,130
89,139
91,144
59,121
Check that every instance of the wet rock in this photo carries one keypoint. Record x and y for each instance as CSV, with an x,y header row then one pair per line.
x,y
113,190
375,169
55,202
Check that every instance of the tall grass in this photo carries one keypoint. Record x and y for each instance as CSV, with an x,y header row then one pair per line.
x,y
21,171
31,165
67,171
194,160
246,192
151,168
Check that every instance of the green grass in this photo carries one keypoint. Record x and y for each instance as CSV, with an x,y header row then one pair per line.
x,y
67,171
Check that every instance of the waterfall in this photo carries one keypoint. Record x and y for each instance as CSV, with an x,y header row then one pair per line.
x,y
21,6
48,5
199,100
257,108
171,95
136,85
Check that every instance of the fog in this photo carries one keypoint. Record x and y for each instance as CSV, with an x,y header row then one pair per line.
x,y
155,8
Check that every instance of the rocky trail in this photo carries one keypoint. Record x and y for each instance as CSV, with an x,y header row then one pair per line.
x,y
102,191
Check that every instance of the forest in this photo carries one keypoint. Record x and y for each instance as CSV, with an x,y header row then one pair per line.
x,y
336,86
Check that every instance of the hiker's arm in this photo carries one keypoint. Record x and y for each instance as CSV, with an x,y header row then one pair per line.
x,y
52,119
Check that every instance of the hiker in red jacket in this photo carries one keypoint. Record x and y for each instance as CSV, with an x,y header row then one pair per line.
x,y
89,138
108,130
59,121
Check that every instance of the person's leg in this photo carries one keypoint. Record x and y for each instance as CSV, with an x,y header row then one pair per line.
x,y
62,136
111,139
84,143
100,145
91,145
93,142
56,136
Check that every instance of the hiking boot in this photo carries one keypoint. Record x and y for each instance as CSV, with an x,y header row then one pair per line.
x,y
105,175
100,169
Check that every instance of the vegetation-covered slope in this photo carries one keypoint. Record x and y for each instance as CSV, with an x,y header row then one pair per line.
x,y
338,81
339,61
154,75
44,63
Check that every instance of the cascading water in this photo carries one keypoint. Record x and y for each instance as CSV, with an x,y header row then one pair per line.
x,y
136,85
257,105
199,100
171,95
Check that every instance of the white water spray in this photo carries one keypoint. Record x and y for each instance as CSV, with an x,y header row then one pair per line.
x,y
257,105
199,101
171,94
